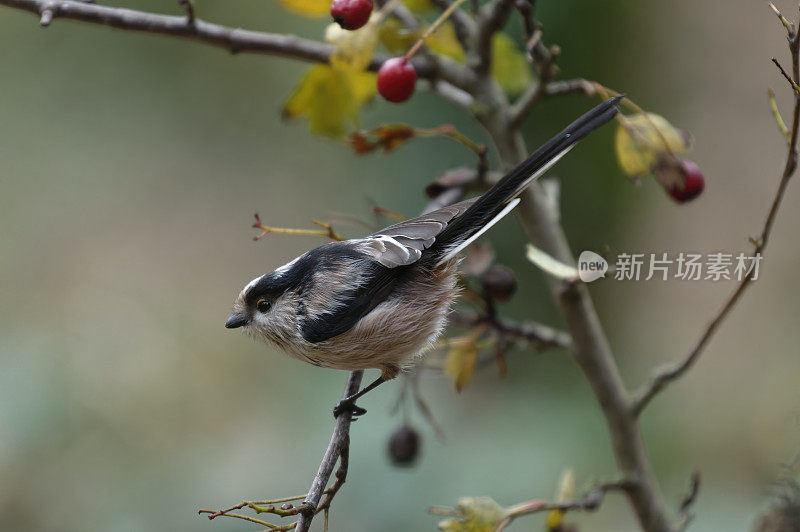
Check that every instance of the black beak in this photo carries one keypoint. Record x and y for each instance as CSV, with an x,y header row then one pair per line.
x,y
236,320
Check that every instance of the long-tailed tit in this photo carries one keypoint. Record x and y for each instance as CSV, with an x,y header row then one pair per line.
x,y
381,300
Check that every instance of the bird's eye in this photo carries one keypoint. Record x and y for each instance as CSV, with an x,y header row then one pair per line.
x,y
263,305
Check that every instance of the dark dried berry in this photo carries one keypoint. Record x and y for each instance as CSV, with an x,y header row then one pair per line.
x,y
397,79
682,179
693,183
351,14
499,283
404,446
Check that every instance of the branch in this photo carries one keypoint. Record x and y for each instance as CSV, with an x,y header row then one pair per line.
x,y
590,346
536,93
493,17
539,334
589,502
338,447
666,375
235,40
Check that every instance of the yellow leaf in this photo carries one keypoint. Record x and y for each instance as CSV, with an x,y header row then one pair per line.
x,y
444,41
354,49
418,6
509,66
565,493
640,139
395,37
398,39
461,360
474,514
330,98
309,8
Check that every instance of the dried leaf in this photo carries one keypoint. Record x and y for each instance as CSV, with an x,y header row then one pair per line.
x,y
550,265
387,137
509,66
330,98
474,514
309,8
457,177
639,141
461,360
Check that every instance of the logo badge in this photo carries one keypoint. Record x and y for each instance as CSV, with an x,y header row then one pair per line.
x,y
591,266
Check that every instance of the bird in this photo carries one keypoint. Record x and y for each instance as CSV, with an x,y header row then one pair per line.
x,y
380,301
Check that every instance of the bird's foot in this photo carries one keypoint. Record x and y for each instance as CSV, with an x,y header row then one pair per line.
x,y
346,405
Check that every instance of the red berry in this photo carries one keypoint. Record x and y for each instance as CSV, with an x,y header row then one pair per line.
x,y
351,14
692,185
396,79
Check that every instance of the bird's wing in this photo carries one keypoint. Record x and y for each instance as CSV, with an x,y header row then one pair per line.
x,y
402,244
372,266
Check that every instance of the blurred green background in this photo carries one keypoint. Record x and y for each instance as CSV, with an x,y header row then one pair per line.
x,y
130,166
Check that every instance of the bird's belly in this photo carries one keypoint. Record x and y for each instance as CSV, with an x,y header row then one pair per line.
x,y
396,330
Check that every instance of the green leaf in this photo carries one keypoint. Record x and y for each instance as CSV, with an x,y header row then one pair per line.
x,y
331,98
509,66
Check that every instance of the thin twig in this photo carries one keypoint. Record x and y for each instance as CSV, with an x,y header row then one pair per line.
x,y
590,502
666,375
535,94
684,510
433,27
326,231
493,16
463,24
235,40
338,446
188,6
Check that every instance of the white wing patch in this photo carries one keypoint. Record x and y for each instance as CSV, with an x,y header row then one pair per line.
x,y
389,251
508,208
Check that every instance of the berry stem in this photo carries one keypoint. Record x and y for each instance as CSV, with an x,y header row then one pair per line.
x,y
606,93
435,26
386,9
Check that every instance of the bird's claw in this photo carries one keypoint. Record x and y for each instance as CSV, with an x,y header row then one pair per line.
x,y
348,406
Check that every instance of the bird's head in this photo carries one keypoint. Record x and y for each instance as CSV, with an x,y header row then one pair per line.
x,y
267,308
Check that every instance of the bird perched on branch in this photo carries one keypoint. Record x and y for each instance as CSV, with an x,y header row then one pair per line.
x,y
379,301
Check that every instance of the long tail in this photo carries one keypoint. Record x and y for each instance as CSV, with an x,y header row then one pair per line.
x,y
502,197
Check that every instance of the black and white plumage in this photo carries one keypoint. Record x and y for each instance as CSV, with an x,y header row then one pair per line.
x,y
378,301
